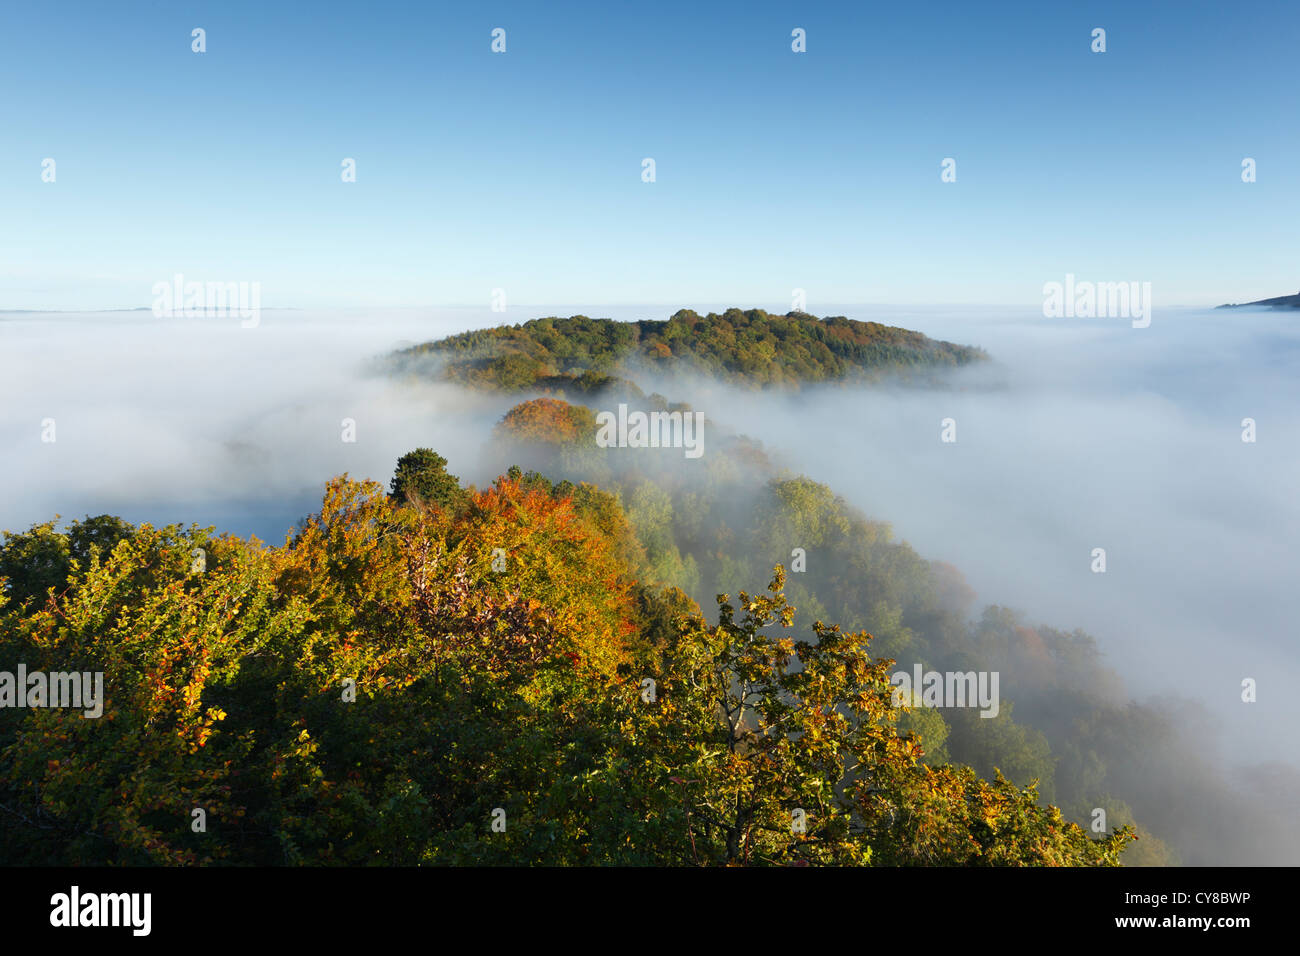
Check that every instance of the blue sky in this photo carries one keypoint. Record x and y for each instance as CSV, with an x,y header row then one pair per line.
x,y
522,170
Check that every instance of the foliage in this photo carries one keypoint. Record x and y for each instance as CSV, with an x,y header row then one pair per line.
x,y
392,679
548,420
786,752
34,561
422,475
737,513
584,356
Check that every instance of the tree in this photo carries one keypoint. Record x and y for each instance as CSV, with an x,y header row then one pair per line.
x,y
375,689
39,559
548,421
422,476
786,752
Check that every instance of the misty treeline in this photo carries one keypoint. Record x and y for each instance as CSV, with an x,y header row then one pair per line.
x,y
1066,723
436,674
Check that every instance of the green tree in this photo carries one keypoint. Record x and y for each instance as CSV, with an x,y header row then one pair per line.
x,y
41,558
422,476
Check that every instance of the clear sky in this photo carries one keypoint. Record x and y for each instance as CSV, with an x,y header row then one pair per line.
x,y
775,170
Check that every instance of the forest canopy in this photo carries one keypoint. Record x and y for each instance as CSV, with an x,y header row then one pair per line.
x,y
751,347
449,675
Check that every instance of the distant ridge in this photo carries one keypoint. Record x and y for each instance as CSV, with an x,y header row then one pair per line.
x,y
752,346
138,308
1280,302
141,308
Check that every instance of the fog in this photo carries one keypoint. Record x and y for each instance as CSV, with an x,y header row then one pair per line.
x,y
1080,434
200,420
1092,434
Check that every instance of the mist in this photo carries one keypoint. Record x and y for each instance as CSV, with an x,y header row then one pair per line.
x,y
1079,434
1093,434
202,421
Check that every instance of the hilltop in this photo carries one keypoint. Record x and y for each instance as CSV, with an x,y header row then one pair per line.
x,y
1278,302
742,347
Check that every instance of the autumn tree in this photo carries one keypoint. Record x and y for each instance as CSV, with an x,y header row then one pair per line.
x,y
785,751
390,680
549,421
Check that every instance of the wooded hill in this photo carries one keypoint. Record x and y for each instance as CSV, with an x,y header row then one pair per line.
x,y
443,675
750,347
